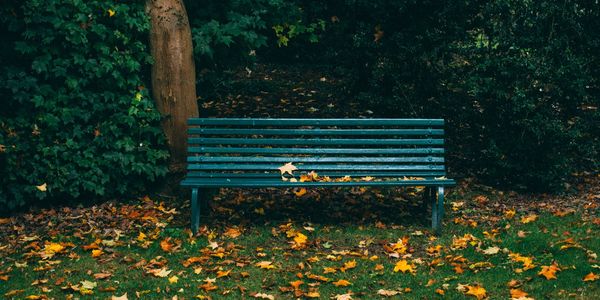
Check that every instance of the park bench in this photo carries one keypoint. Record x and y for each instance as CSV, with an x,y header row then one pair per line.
x,y
233,152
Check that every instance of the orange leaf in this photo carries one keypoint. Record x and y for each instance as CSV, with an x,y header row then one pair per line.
x,y
476,291
96,253
591,277
529,218
300,192
296,284
342,282
348,265
549,271
517,294
223,273
166,245
329,270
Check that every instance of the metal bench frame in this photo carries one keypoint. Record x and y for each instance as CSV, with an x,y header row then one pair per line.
x,y
244,152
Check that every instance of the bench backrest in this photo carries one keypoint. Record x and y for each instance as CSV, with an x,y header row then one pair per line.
x,y
333,147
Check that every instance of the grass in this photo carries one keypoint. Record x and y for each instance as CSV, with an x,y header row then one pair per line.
x,y
331,242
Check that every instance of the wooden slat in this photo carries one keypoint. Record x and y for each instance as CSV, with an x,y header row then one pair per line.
x,y
263,141
314,122
332,132
316,167
253,159
221,182
324,173
317,151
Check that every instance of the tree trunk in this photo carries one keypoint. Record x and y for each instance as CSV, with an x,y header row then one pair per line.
x,y
173,73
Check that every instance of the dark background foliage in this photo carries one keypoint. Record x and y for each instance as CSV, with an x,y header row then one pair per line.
x,y
517,82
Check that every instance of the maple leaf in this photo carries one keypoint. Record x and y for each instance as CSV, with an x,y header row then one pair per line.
x,y
591,277
223,273
549,271
329,270
517,294
440,291
476,291
173,279
299,241
111,12
88,285
287,169
404,266
159,272
232,232
265,265
348,265
209,286
347,296
342,282
312,294
166,245
317,277
527,261
97,253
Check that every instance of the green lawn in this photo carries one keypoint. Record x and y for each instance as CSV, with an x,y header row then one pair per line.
x,y
49,254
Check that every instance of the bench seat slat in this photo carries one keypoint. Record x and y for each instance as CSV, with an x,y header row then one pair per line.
x,y
314,122
334,132
224,182
324,173
316,151
310,167
313,159
313,141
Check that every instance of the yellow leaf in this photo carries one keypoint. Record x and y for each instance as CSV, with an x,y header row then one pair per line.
x,y
591,277
111,12
96,253
141,237
527,261
348,265
313,294
329,270
342,282
265,265
42,187
223,273
549,271
379,267
287,168
173,279
477,291
509,214
517,294
529,218
404,266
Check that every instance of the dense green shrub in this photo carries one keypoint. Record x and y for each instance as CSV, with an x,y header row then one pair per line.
x,y
74,114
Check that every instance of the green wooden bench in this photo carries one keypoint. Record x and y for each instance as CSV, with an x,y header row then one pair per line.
x,y
248,152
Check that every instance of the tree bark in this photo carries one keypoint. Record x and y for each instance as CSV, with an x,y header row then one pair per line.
x,y
173,73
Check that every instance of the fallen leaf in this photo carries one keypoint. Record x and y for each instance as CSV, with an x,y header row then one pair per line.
x,y
404,266
348,265
123,297
232,232
491,250
591,277
440,291
264,296
223,273
287,168
97,253
476,291
100,276
111,12
342,282
529,218
517,294
159,272
549,271
387,293
300,192
166,245
265,265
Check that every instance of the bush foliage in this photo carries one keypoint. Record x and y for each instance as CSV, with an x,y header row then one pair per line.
x,y
75,118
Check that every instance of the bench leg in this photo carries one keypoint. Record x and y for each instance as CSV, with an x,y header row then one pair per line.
x,y
434,212
195,211
436,217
